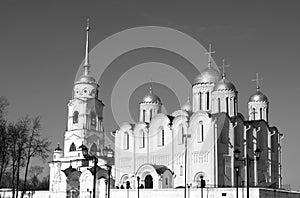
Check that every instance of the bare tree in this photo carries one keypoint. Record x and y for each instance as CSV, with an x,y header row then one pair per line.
x,y
34,172
36,147
4,140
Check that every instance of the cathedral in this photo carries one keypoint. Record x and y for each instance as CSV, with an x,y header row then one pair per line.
x,y
196,145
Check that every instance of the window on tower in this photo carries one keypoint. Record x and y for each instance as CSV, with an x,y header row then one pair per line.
x,y
126,140
93,118
208,100
200,132
142,139
75,117
180,134
72,147
161,136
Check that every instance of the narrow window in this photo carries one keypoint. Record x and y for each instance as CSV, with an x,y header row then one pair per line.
x,y
180,135
219,104
161,137
261,113
142,139
144,115
200,101
75,117
93,118
227,105
181,170
150,114
126,140
253,112
72,147
207,104
200,132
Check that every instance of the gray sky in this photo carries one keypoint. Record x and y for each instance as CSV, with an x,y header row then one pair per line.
x,y
42,46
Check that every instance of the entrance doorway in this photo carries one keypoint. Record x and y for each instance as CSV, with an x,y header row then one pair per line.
x,y
148,182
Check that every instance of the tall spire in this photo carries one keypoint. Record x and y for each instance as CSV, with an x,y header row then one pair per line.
x,y
209,53
223,68
257,82
87,46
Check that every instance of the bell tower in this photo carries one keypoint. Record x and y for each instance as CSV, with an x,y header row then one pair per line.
x,y
85,112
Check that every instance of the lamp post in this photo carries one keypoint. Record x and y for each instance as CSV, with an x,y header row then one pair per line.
x,y
237,180
138,187
85,154
108,187
247,160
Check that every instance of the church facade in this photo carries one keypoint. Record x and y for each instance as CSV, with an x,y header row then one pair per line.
x,y
194,144
199,141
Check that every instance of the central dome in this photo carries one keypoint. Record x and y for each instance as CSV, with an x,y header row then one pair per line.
x,y
207,76
224,85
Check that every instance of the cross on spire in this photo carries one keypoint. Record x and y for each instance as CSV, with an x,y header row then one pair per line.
x,y
87,46
209,53
257,81
223,67
150,88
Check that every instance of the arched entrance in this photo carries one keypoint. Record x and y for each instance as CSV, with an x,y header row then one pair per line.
x,y
149,182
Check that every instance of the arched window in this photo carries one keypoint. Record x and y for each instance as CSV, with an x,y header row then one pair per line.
x,y
227,105
208,100
126,140
161,136
93,118
93,149
253,112
261,113
180,134
150,114
72,147
181,171
144,115
200,132
200,101
142,139
219,104
75,117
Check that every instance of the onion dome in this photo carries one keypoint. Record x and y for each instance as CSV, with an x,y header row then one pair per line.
x,y
187,106
86,79
207,76
151,98
224,85
258,97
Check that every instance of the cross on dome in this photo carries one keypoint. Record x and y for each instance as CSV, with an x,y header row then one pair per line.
x,y
257,81
223,66
209,53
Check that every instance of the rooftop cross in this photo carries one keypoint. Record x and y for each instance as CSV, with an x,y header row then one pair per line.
x,y
87,58
209,55
223,68
257,81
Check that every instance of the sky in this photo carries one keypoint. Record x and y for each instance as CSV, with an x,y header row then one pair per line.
x,y
42,48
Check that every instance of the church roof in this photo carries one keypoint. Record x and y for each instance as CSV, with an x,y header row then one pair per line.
x,y
224,85
160,169
69,171
258,97
207,76
150,97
